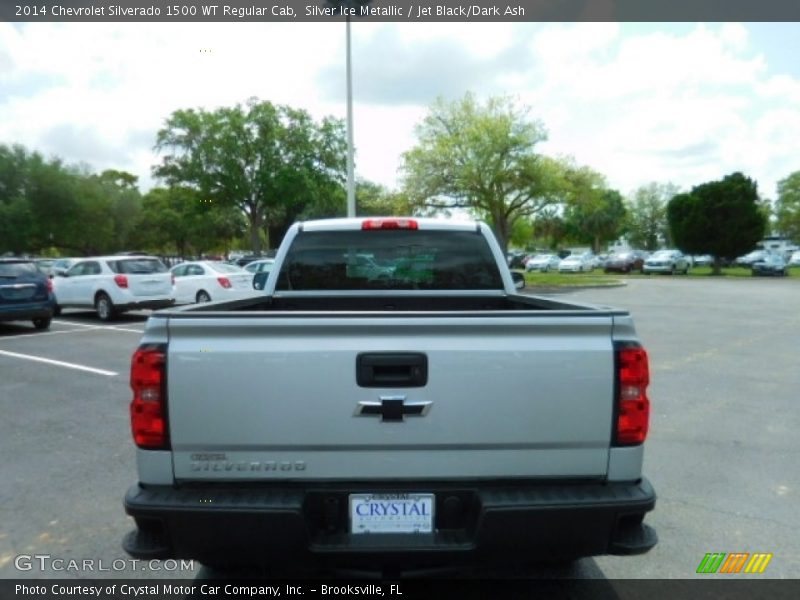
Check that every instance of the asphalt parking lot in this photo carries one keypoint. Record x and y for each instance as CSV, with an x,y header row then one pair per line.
x,y
722,452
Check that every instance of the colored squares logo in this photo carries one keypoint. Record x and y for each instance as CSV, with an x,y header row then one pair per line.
x,y
735,562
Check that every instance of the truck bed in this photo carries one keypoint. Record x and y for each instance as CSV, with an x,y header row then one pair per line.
x,y
391,302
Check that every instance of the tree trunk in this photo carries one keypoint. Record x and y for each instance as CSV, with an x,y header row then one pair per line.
x,y
255,231
500,227
716,267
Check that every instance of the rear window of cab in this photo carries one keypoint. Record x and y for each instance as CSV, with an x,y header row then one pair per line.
x,y
389,259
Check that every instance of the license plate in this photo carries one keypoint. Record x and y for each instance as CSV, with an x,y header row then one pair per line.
x,y
18,293
391,513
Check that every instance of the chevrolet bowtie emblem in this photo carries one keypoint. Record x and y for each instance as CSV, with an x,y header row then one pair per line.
x,y
392,408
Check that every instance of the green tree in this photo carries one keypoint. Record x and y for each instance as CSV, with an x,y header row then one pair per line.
x,y
787,208
375,200
16,215
646,224
481,157
522,233
273,163
123,202
45,204
549,227
721,218
180,220
593,214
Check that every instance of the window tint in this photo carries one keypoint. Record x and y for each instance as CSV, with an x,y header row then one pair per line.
x,y
18,269
226,268
77,269
389,259
136,266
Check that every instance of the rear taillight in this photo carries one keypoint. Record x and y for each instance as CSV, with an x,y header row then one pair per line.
x,y
224,282
633,407
389,224
49,284
121,281
148,407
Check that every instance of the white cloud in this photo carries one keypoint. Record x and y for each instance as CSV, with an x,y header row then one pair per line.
x,y
666,105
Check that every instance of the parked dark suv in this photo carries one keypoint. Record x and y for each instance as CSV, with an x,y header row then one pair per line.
x,y
26,294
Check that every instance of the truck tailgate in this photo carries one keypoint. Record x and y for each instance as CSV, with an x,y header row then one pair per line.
x,y
275,397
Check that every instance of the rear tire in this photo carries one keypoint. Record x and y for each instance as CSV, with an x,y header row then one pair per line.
x,y
41,323
56,310
104,307
202,296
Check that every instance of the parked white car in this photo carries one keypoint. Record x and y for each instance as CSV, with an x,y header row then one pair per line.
x,y
206,281
794,259
114,284
577,263
542,262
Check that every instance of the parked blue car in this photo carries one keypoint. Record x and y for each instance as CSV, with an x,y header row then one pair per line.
x,y
26,294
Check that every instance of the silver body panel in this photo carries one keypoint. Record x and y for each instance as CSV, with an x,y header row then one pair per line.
x,y
511,396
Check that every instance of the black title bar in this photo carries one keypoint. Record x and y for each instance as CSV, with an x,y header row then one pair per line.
x,y
288,11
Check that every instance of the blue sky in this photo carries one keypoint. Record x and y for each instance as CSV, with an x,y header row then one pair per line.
x,y
680,103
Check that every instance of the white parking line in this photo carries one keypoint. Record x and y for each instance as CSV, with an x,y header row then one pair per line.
x,y
59,363
125,329
33,335
107,327
60,322
87,328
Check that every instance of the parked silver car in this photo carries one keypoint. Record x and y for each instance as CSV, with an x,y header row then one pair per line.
x,y
771,264
542,262
577,263
748,259
666,261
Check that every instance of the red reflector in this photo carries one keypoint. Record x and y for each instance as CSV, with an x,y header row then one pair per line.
x,y
389,224
224,282
633,408
148,414
121,281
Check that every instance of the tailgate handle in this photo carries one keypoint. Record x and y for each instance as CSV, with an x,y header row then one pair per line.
x,y
392,369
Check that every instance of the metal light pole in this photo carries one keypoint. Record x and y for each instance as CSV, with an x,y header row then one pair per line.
x,y
351,184
349,8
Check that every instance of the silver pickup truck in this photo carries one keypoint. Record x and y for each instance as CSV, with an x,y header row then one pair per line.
x,y
390,401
